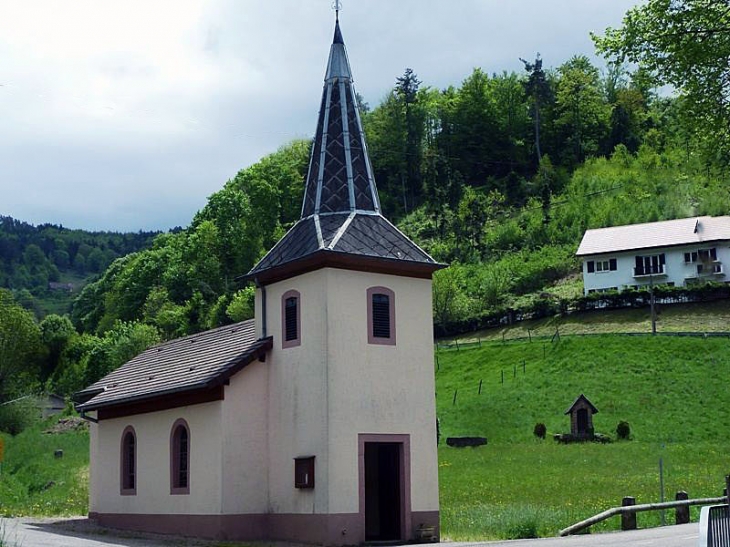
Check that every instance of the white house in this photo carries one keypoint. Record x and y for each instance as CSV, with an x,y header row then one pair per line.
x,y
672,252
316,421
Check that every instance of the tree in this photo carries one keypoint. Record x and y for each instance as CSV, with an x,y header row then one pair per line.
x,y
406,89
582,112
686,44
537,88
20,348
56,333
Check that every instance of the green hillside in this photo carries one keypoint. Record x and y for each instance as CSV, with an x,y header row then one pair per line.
x,y
34,482
672,391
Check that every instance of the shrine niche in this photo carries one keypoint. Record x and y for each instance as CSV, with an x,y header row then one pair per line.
x,y
581,418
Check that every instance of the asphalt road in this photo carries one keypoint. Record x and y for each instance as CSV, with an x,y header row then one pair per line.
x,y
82,533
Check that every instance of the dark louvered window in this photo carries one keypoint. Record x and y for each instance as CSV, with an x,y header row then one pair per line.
x,y
290,319
381,316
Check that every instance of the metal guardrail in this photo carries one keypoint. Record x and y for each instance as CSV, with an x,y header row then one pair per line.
x,y
715,526
577,527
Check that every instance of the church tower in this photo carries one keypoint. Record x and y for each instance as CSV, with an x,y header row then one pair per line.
x,y
346,298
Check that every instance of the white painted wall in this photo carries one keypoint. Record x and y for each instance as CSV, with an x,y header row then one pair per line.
x,y
380,388
245,442
336,386
298,395
676,269
153,463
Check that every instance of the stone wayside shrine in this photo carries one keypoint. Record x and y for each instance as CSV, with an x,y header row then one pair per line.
x,y
581,418
314,422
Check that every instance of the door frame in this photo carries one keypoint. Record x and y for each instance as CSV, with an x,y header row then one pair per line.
x,y
404,462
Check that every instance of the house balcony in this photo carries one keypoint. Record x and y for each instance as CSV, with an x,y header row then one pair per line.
x,y
708,271
651,271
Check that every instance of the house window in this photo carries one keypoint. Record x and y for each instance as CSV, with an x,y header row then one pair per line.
x,y
304,472
128,486
650,265
606,265
381,316
702,255
180,458
291,325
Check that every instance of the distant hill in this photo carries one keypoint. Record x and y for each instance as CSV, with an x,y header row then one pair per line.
x,y
47,265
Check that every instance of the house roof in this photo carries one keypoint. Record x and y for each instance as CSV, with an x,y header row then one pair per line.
x,y
202,360
341,208
667,233
582,398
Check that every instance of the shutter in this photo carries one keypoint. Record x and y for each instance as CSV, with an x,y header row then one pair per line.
x,y
687,257
713,253
662,259
612,265
591,266
290,319
381,316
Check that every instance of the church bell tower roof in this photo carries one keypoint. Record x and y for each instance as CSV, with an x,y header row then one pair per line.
x,y
341,224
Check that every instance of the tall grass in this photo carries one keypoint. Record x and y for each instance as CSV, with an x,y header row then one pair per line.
x,y
671,391
33,482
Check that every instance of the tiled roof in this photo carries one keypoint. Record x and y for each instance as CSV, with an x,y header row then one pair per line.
x,y
356,234
198,361
341,208
684,231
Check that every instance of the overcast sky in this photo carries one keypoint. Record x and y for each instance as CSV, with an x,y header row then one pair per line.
x,y
127,115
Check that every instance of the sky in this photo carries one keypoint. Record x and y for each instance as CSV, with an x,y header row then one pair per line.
x,y
126,116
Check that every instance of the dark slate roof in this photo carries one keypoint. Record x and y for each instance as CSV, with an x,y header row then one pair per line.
x,y
202,360
580,398
341,208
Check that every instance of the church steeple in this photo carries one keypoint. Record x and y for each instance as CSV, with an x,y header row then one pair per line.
x,y
341,224
340,177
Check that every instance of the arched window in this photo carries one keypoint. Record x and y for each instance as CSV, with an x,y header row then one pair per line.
x,y
180,458
128,462
381,316
291,324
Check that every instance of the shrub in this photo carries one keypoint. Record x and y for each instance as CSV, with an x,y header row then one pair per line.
x,y
16,416
525,529
540,431
623,430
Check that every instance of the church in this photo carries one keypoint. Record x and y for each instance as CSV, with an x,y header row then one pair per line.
x,y
315,422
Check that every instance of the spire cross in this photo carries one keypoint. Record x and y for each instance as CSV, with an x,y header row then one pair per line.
x,y
337,6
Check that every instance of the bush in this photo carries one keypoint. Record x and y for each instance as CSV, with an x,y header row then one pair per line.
x,y
16,416
525,529
623,430
540,431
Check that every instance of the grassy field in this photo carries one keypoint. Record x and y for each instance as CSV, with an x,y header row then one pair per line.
x,y
33,482
698,317
672,391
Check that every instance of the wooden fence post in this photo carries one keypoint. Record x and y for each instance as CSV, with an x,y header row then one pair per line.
x,y
628,520
681,515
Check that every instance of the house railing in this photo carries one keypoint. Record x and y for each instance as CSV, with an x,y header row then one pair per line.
x,y
646,271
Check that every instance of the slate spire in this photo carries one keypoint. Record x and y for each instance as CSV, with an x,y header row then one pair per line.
x,y
340,177
341,224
